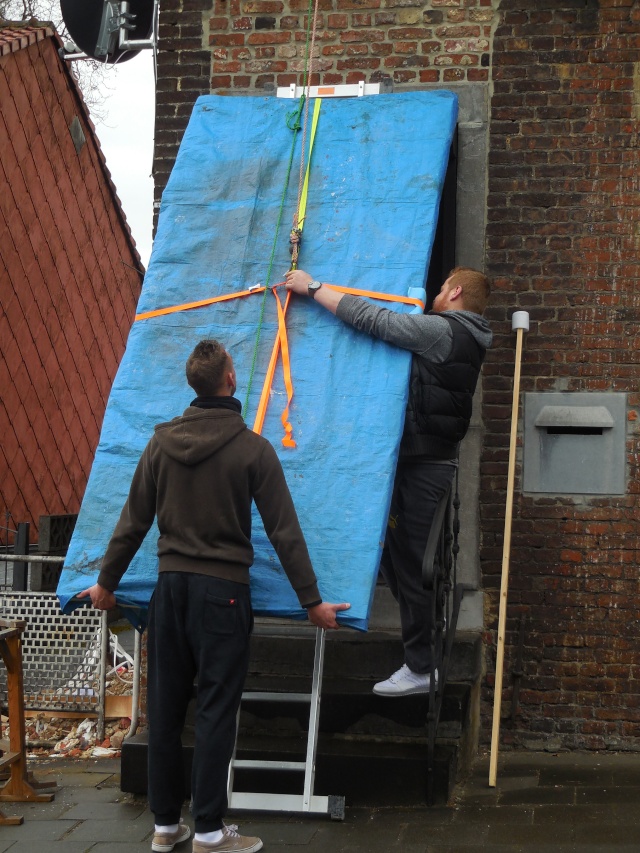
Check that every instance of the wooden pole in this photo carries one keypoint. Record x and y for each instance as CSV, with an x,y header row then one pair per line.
x,y
519,323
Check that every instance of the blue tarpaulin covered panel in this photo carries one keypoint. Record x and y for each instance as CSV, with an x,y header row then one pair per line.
x,y
377,170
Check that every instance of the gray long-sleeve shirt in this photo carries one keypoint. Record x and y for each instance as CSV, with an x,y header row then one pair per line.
x,y
427,335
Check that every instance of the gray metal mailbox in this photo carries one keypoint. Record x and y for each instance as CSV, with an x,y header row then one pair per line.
x,y
574,443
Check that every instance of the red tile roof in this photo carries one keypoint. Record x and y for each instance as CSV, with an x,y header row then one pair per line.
x,y
67,276
16,35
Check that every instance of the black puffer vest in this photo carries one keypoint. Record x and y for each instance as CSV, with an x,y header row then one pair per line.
x,y
440,397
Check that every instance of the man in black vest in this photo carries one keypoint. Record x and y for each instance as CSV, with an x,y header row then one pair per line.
x,y
448,346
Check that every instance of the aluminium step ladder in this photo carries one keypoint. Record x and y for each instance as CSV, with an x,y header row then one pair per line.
x,y
307,802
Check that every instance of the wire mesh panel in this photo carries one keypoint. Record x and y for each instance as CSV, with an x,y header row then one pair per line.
x,y
60,653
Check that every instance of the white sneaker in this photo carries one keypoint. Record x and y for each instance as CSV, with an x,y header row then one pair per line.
x,y
404,682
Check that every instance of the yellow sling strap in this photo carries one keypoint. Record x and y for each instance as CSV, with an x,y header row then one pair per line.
x,y
281,342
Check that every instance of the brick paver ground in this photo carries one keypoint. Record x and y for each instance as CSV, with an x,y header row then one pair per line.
x,y
565,803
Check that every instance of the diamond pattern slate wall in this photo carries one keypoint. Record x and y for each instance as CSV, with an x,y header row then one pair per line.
x,y
69,281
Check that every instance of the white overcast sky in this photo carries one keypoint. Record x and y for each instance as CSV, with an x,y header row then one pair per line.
x,y
126,138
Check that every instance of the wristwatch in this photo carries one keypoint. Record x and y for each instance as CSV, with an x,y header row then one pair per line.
x,y
313,288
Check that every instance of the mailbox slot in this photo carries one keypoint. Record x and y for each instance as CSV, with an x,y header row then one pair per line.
x,y
574,443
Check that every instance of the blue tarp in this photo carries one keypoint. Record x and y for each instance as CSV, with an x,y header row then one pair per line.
x,y
376,177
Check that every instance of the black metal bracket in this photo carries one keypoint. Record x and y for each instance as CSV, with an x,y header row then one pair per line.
x,y
439,575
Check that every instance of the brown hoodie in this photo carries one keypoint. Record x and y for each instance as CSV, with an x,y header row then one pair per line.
x,y
199,474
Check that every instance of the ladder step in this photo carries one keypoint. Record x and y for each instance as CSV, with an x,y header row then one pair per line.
x,y
269,627
255,764
264,696
279,802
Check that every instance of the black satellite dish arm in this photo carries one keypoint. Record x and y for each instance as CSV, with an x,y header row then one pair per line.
x,y
110,31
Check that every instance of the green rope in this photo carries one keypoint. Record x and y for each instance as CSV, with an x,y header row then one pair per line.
x,y
293,123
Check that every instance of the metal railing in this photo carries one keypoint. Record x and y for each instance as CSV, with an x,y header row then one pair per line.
x,y
15,560
439,575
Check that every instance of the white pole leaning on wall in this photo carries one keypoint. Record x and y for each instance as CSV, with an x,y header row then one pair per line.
x,y
519,324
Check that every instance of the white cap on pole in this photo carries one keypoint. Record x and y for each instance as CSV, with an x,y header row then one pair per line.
x,y
520,320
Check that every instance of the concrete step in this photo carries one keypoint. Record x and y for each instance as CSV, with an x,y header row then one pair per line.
x,y
384,614
371,749
370,773
280,647
351,709
364,773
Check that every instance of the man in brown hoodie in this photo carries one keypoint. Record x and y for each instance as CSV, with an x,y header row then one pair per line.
x,y
199,475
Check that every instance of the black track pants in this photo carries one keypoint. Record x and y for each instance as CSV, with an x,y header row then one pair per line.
x,y
199,628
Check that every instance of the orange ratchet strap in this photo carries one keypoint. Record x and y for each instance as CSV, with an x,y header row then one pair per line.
x,y
202,303
373,294
268,380
281,342
287,439
187,306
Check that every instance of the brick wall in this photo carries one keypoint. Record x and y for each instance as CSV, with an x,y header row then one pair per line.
x,y
253,46
562,243
563,240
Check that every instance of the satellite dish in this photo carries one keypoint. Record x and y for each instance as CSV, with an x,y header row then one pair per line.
x,y
94,25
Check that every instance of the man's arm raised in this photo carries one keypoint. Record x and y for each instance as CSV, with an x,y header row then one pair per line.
x,y
298,281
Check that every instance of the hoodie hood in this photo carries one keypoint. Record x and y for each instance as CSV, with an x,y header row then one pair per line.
x,y
475,324
198,434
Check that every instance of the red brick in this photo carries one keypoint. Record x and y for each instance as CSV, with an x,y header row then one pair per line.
x,y
269,38
338,22
362,35
262,7
362,64
226,40
221,24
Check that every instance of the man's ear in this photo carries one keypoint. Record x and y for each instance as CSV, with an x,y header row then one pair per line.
x,y
455,293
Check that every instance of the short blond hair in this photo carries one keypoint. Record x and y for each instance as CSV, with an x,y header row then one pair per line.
x,y
476,288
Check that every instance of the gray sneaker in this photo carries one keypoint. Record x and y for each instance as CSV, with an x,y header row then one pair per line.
x,y
164,842
230,841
